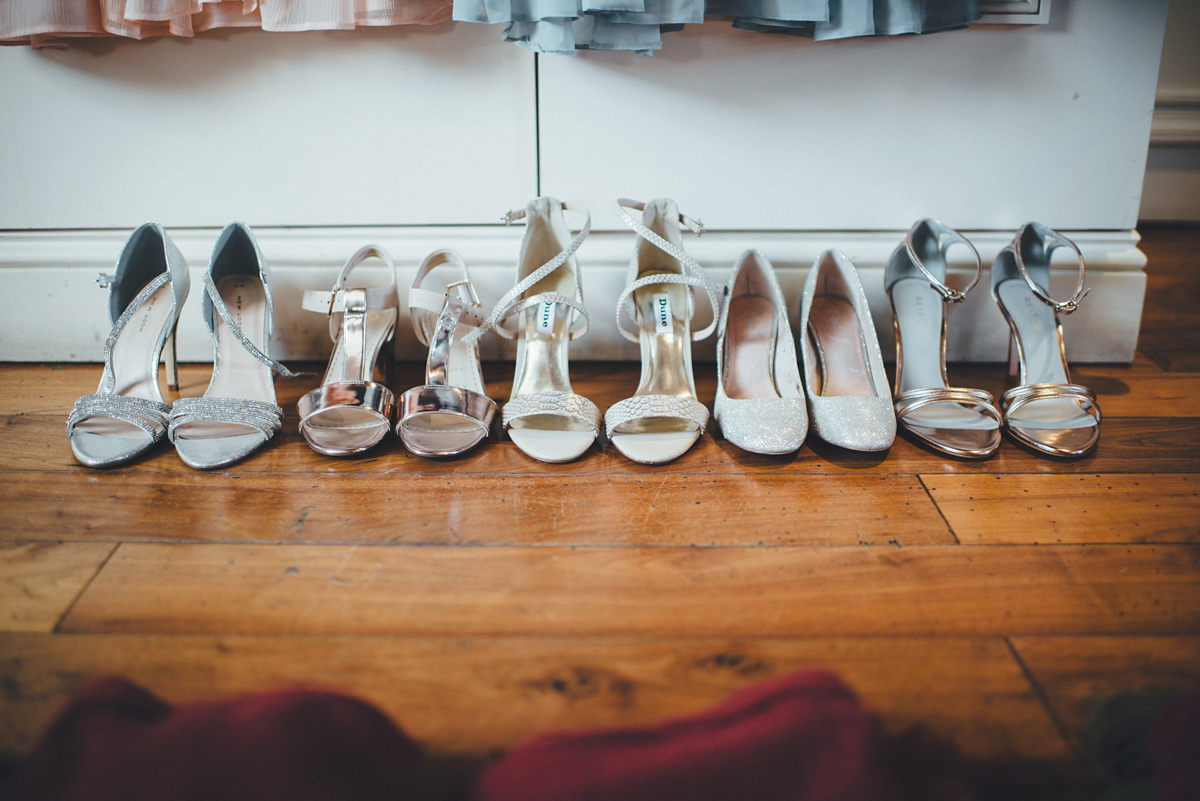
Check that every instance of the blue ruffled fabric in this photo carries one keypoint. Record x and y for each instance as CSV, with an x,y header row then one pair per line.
x,y
567,26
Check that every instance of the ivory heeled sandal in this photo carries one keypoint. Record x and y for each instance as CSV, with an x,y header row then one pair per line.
x,y
954,420
544,417
664,418
848,398
127,415
760,403
451,413
1045,411
237,413
351,412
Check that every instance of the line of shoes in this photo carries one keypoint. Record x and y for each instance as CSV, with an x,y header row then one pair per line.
x,y
763,403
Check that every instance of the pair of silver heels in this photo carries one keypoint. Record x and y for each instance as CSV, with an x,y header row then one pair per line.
x,y
451,413
237,414
1045,411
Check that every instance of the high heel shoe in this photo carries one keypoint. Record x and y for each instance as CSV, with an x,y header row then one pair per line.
x,y
848,395
237,413
451,413
1045,411
351,412
760,404
127,415
954,420
543,416
663,418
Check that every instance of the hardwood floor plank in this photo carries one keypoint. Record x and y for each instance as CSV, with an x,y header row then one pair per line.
x,y
1127,445
473,509
40,580
694,592
1074,672
476,695
1031,509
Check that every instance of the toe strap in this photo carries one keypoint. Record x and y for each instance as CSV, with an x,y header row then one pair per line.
x,y
911,400
644,406
266,417
562,404
148,415
366,395
1019,396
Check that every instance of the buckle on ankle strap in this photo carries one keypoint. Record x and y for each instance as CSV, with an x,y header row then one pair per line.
x,y
470,295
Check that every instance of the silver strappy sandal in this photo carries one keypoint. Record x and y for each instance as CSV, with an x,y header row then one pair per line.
x,y
451,413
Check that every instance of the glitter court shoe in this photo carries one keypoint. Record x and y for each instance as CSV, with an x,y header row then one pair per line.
x,y
127,415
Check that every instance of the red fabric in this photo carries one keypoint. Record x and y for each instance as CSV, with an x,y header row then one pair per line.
x,y
1175,750
803,737
116,742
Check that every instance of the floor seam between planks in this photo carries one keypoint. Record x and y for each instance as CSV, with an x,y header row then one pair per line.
x,y
1043,698
99,569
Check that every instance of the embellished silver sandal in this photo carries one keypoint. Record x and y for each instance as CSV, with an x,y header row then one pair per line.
x,y
351,412
451,413
237,413
544,417
1045,411
127,415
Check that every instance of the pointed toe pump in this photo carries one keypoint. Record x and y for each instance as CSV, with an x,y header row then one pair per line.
x,y
543,312
664,418
127,415
760,404
451,413
352,411
237,413
1045,411
848,398
954,420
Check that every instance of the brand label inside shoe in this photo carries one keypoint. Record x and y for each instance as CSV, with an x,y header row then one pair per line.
x,y
662,314
545,317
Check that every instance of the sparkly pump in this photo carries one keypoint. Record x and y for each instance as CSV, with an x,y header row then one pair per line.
x,y
760,404
127,415
237,413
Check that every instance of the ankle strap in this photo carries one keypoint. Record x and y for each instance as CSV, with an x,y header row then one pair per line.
x,y
334,301
426,306
947,237
1050,240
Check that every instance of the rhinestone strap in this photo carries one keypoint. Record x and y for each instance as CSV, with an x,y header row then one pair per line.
x,y
134,306
236,330
1019,396
641,406
913,399
266,417
146,414
563,404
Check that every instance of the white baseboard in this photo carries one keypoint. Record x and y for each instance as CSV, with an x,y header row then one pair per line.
x,y
56,313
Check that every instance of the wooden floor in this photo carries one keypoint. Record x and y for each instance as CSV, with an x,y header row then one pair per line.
x,y
484,599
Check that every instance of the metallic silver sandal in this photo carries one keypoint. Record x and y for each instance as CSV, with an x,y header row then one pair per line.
x,y
451,413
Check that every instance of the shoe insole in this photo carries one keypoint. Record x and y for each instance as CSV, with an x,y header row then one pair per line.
x,y
749,344
918,310
542,350
834,332
1037,332
135,363
236,373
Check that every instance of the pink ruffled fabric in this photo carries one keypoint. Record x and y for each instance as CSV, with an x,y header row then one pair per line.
x,y
54,23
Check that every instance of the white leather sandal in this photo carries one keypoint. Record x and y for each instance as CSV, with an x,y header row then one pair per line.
x,y
237,413
848,398
664,418
760,404
1045,411
351,412
127,415
451,413
544,417
954,420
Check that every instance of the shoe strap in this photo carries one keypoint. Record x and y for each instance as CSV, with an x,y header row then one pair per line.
x,y
219,305
1025,394
640,407
267,418
914,399
512,303
947,237
109,379
334,301
426,306
554,402
1051,240
149,415
693,274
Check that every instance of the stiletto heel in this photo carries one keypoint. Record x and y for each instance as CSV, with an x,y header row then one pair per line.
x,y
760,402
451,413
350,412
1045,411
172,361
848,398
543,416
127,415
954,420
664,418
237,413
